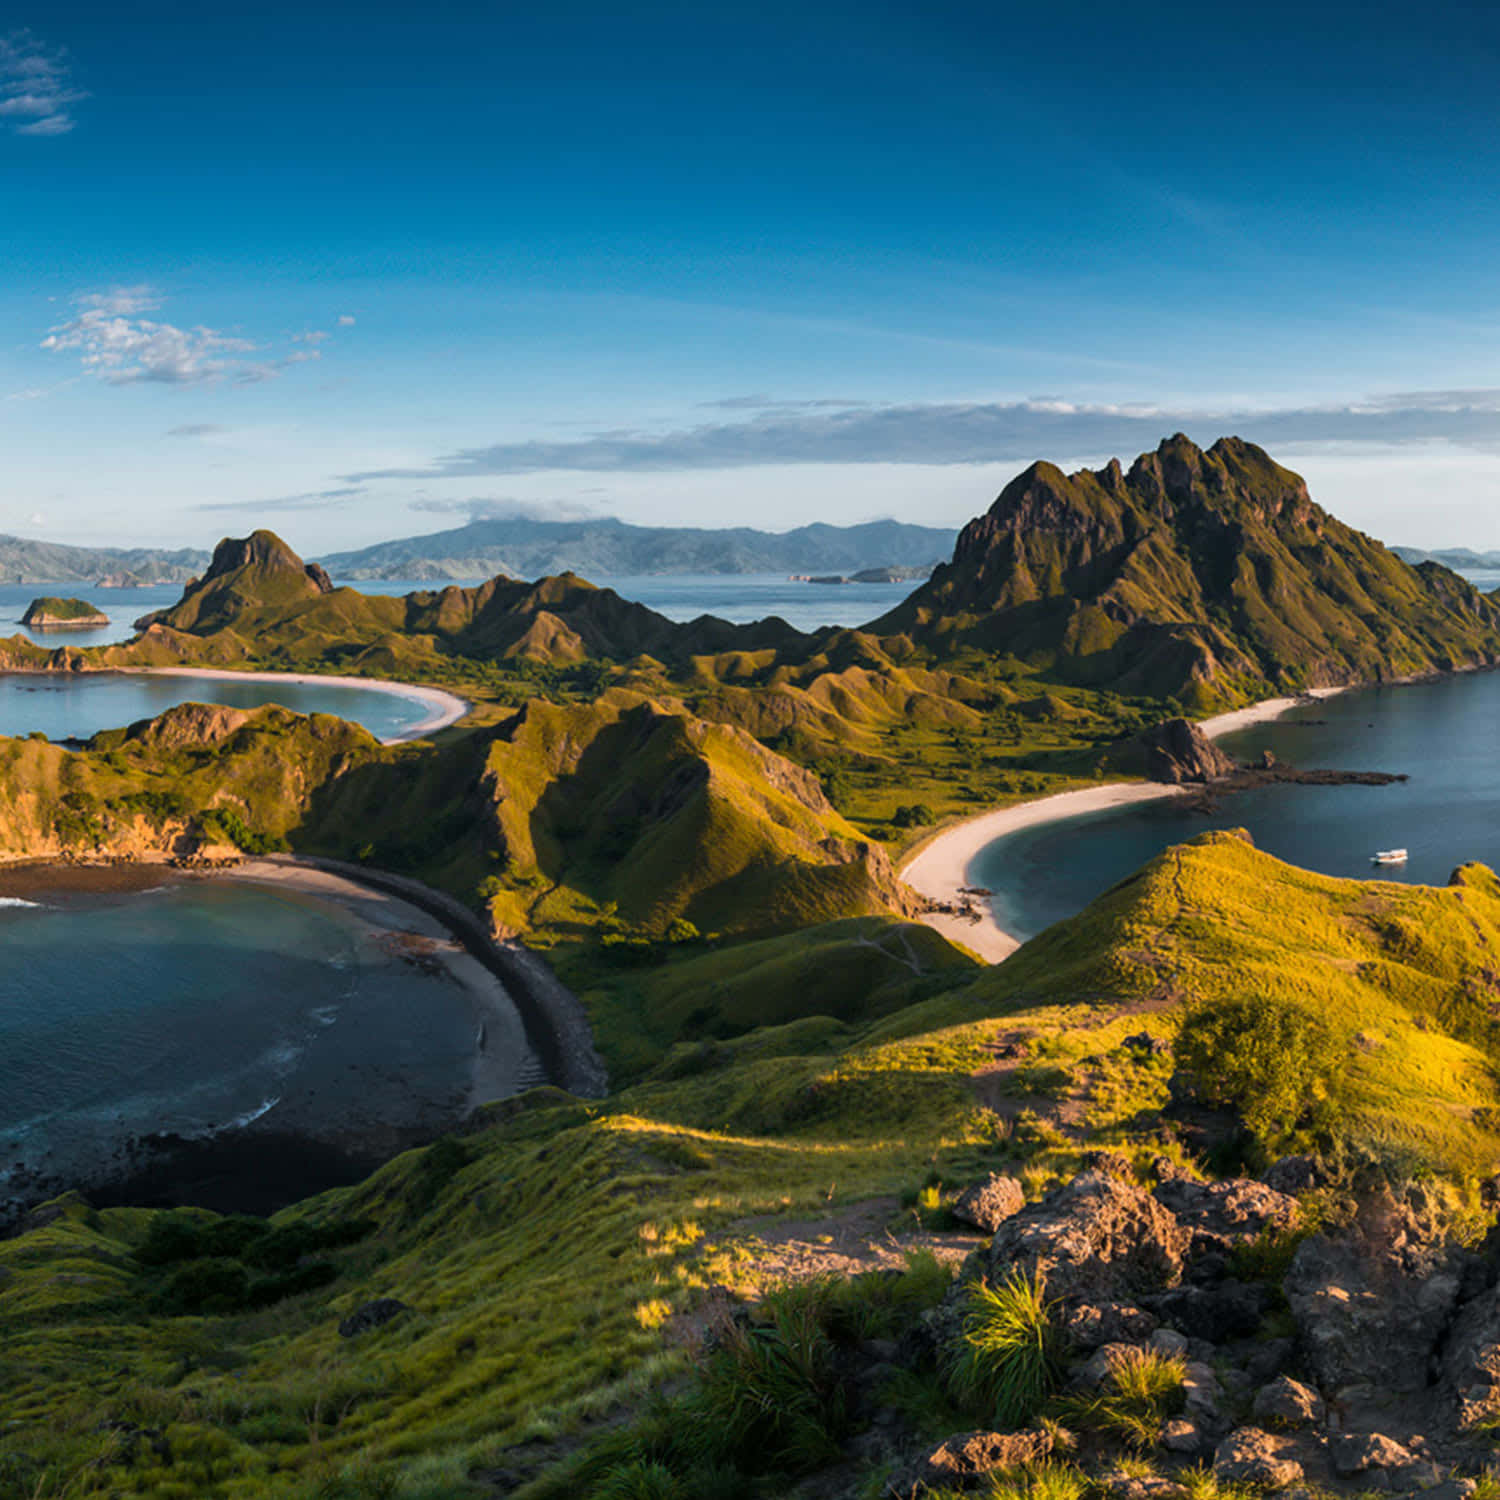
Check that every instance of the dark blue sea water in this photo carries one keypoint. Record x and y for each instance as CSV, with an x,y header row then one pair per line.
x,y
1443,734
199,1006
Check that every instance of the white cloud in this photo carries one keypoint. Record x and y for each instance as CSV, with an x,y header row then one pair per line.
x,y
118,345
345,321
36,87
977,433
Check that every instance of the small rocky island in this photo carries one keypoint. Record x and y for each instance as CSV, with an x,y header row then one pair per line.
x,y
50,613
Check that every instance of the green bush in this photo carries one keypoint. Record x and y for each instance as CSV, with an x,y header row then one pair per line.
x,y
1272,1062
1142,1390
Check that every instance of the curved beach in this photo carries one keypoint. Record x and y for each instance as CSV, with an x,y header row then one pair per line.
x,y
939,868
444,708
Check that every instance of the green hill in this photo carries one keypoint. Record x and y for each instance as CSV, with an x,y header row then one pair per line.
x,y
548,1259
51,611
1206,576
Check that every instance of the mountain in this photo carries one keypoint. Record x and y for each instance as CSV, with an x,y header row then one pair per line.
x,y
528,548
1207,576
259,597
26,561
1458,558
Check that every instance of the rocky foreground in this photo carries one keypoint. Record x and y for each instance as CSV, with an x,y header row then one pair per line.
x,y
1371,1363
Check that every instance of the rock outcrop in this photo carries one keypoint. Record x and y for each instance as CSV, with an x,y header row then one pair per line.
x,y
1097,1238
1175,752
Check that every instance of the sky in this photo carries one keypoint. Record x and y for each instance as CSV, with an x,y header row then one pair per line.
x,y
364,271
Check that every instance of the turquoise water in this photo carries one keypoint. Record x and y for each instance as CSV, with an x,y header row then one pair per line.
x,y
1443,734
68,706
202,1006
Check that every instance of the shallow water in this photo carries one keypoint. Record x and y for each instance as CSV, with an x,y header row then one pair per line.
x,y
75,706
1443,734
199,1006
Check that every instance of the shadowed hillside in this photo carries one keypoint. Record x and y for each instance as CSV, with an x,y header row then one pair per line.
x,y
1208,576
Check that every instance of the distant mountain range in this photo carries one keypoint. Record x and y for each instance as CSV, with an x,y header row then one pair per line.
x,y
523,548
1458,558
25,561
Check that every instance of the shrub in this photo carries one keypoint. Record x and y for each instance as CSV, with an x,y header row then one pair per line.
x,y
771,1394
1272,1062
1140,1393
1010,1357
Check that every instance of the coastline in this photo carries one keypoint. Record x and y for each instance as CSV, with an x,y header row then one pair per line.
x,y
529,1032
446,708
939,868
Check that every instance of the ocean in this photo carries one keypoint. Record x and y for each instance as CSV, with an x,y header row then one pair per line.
x,y
137,1002
1442,734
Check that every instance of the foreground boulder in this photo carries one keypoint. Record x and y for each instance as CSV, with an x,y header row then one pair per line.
x,y
966,1459
988,1204
1221,1216
1287,1403
1252,1456
1097,1239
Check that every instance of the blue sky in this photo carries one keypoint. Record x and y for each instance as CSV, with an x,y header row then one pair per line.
x,y
360,271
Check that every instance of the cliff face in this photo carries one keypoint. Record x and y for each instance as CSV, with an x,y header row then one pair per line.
x,y
1201,575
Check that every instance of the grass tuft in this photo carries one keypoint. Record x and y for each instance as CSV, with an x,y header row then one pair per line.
x,y
1010,1357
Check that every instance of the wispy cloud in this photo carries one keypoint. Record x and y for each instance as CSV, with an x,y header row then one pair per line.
x,y
308,500
36,86
118,344
196,429
978,433
762,402
505,508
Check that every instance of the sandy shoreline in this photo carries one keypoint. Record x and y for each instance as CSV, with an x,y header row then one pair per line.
x,y
503,1059
445,708
941,867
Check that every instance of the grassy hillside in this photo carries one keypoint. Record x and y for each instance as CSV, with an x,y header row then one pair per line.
x,y
548,1257
624,819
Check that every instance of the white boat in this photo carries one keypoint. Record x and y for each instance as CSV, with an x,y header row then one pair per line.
x,y
1389,857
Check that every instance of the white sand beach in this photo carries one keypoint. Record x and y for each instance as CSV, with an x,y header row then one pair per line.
x,y
940,867
446,708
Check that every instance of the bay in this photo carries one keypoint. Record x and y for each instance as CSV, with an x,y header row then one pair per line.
x,y
135,1002
1441,733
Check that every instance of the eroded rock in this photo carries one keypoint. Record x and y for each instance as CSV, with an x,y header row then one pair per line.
x,y
988,1204
1090,1325
1287,1403
1250,1455
966,1458
1098,1239
1223,1215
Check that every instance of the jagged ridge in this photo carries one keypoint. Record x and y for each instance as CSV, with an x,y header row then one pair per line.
x,y
1201,575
